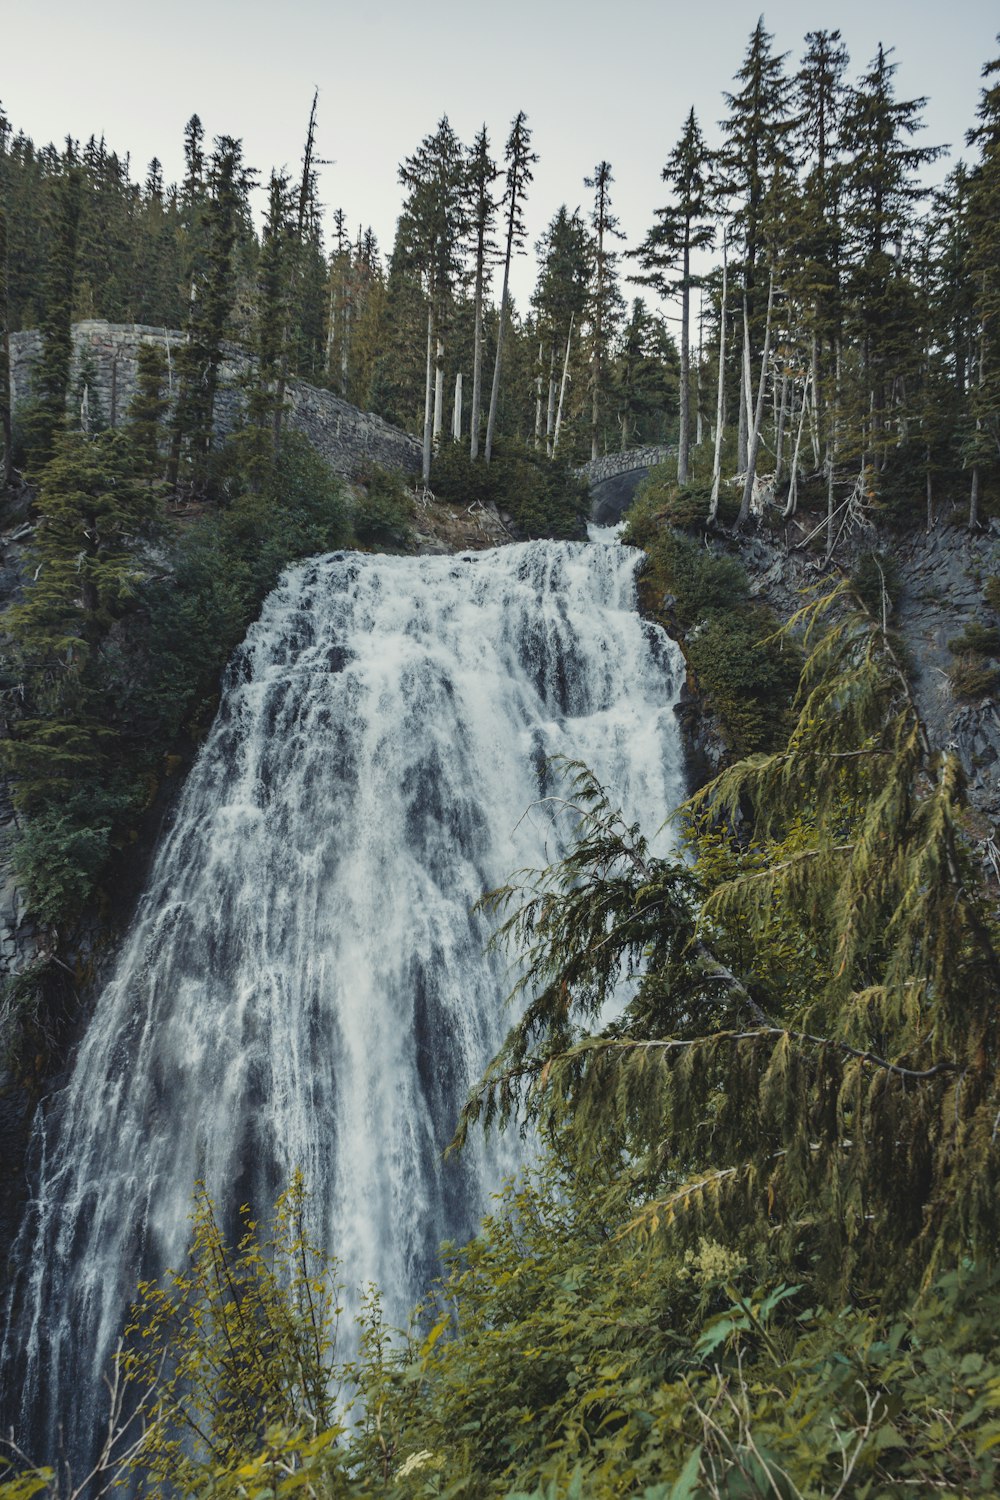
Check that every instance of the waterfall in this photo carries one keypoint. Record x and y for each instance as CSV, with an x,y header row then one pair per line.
x,y
304,983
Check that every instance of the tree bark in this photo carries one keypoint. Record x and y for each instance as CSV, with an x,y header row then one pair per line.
x,y
562,385
754,446
538,397
746,419
779,435
477,357
684,426
438,389
713,509
456,420
792,501
428,395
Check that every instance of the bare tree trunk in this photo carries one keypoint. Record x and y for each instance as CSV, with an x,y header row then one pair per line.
x,y
438,389
345,343
428,395
779,425
831,449
758,418
684,427
538,397
814,409
305,188
698,427
713,509
930,492
491,420
562,385
550,415
746,415
793,485
477,363
456,420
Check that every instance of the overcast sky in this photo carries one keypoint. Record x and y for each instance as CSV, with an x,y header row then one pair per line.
x,y
597,81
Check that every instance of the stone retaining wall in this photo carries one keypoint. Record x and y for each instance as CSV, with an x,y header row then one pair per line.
x,y
103,381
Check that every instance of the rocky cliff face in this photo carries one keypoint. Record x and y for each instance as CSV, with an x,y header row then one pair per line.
x,y
103,381
939,590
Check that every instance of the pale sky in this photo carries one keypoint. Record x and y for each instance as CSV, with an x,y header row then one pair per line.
x,y
610,81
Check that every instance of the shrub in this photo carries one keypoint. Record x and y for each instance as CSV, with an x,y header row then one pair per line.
x,y
976,640
973,677
542,494
383,516
876,576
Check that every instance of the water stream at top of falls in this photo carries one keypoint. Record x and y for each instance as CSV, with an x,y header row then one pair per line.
x,y
304,983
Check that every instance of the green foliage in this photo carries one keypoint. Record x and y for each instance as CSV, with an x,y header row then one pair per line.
x,y
747,673
541,494
875,580
235,1356
383,515
555,1358
808,1060
60,853
977,639
749,681
991,592
972,677
102,705
682,505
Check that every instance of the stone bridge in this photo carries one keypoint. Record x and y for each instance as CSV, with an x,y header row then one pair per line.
x,y
103,380
614,478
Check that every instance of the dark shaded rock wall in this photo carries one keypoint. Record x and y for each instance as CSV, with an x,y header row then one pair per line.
x,y
103,380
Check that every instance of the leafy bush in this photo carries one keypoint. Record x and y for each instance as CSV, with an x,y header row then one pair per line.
x,y
748,678
60,852
876,578
542,495
977,639
973,677
383,516
685,506
119,644
749,682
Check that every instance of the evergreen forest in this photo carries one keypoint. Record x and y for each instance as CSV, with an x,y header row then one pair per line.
x,y
757,1254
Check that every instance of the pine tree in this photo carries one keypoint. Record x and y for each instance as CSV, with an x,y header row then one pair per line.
x,y
431,230
984,261
815,279
809,1060
560,300
148,409
680,228
644,371
757,146
51,388
605,301
199,359
520,159
879,190
482,174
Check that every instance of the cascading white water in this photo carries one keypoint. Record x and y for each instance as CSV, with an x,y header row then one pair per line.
x,y
304,984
